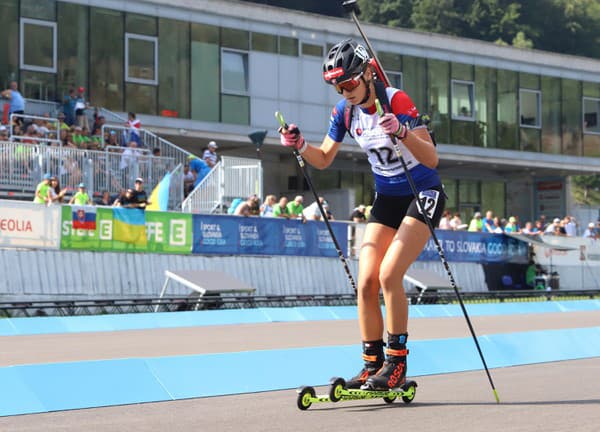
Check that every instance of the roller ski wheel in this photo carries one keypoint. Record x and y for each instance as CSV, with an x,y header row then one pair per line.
x,y
337,387
410,391
306,395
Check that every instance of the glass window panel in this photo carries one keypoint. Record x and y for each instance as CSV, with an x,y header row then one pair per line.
x,y
529,81
493,197
438,77
551,118
174,67
462,72
38,85
106,54
205,76
591,115
73,41
530,139
233,38
312,50
235,109
530,108
571,114
591,145
485,107
140,99
591,89
469,198
414,76
234,71
395,79
38,50
264,42
40,9
288,46
507,110
141,58
205,33
451,190
9,54
463,96
140,24
390,61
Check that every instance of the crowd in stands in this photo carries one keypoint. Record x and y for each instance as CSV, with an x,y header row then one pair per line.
x,y
280,208
567,226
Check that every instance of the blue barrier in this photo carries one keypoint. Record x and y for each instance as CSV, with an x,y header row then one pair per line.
x,y
61,386
96,323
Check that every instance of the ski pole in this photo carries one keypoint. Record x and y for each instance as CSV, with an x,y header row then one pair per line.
x,y
284,125
351,7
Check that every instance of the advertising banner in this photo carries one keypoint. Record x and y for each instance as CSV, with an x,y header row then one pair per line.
x,y
476,247
28,225
234,235
165,233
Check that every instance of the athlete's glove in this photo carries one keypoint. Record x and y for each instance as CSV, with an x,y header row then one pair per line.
x,y
292,137
392,126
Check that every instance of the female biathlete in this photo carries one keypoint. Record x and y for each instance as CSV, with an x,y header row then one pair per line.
x,y
396,231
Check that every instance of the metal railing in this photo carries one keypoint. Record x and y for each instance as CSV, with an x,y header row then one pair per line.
x,y
47,138
231,178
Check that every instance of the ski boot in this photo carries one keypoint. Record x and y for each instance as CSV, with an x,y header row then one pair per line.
x,y
373,357
392,374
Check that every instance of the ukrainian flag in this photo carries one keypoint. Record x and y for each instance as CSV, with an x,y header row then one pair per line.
x,y
129,226
159,198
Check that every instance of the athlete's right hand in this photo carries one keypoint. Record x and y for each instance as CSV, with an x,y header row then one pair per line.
x,y
291,137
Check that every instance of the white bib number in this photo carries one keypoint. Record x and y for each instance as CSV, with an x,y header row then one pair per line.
x,y
428,200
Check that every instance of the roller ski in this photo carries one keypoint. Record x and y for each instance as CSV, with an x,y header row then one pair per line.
x,y
338,391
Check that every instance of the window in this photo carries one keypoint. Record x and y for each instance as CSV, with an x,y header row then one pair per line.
x,y
530,108
591,115
395,79
463,95
288,46
264,42
234,72
141,59
312,50
38,45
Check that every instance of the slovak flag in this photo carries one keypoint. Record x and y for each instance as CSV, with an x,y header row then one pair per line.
x,y
84,217
134,126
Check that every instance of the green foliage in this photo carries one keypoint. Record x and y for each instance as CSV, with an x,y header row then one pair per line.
x,y
586,189
564,26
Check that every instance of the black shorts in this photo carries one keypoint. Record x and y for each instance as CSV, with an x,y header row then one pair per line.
x,y
391,210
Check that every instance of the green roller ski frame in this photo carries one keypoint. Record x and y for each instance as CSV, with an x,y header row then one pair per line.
x,y
338,392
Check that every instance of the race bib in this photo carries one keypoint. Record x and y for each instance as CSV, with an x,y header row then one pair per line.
x,y
428,200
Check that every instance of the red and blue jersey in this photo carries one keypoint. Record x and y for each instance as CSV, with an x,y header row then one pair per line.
x,y
390,178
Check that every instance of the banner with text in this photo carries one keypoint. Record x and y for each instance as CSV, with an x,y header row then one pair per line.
x,y
165,233
476,247
234,235
29,225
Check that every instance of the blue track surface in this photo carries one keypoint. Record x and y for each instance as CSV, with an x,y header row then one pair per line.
x,y
39,388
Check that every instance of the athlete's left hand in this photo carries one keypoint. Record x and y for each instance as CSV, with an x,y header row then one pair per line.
x,y
392,126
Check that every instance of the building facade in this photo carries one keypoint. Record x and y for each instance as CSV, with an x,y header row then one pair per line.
x,y
511,125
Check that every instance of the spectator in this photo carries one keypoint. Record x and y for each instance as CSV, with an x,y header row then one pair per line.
x,y
538,227
476,224
570,225
295,207
139,198
266,209
199,169
358,214
105,199
511,226
134,126
42,191
543,223
188,180
248,207
62,125
56,193
156,152
3,133
98,123
328,212
590,232
456,222
130,156
559,230
551,228
17,101
498,226
125,199
445,220
81,197
80,106
529,229
312,212
210,154
280,209
488,222
69,102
